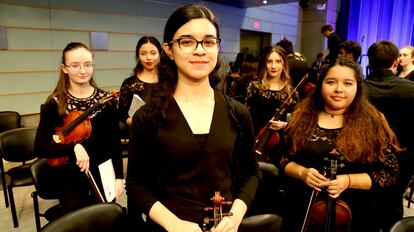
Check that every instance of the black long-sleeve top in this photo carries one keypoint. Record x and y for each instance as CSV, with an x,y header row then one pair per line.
x,y
263,104
169,164
365,205
333,45
103,142
394,97
130,86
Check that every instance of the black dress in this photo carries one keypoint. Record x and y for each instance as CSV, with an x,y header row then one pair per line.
x,y
366,205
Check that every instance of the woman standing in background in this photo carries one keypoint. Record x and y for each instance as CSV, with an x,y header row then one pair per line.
x,y
145,75
267,94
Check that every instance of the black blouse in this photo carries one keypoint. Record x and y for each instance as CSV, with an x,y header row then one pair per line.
x,y
263,104
168,164
130,86
365,204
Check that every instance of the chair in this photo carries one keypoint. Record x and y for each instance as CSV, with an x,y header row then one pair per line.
x,y
263,214
17,145
8,120
409,196
261,222
103,217
43,180
404,225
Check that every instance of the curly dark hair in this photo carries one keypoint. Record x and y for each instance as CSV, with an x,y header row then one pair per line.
x,y
361,118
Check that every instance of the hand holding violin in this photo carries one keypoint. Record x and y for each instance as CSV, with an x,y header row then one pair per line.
x,y
337,186
314,179
277,125
232,223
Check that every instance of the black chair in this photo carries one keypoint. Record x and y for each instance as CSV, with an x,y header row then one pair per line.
x,y
44,180
409,196
17,145
264,213
8,120
103,217
260,223
404,225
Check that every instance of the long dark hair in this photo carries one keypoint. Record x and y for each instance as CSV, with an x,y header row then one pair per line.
x,y
168,74
361,118
61,89
143,40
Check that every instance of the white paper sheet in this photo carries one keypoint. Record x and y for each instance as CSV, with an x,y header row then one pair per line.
x,y
136,103
106,169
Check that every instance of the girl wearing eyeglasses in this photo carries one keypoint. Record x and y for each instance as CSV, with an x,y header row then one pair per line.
x,y
190,140
74,156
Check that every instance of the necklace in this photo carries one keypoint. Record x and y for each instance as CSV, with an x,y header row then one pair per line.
x,y
332,114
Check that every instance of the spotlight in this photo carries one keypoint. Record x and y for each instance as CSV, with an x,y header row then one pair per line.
x,y
264,1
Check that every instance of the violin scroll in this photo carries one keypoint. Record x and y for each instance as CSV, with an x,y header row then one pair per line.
x,y
218,202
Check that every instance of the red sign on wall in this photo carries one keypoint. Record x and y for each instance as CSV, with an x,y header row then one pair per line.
x,y
257,24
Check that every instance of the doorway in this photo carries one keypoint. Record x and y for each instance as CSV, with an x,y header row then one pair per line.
x,y
253,42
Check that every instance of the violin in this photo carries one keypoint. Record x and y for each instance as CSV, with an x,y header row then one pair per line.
x,y
76,128
218,202
268,138
331,215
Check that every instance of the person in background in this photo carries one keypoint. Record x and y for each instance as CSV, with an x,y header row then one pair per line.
x,y
270,91
317,64
324,126
231,79
394,97
350,49
147,54
248,73
316,68
91,144
190,140
296,64
334,40
406,62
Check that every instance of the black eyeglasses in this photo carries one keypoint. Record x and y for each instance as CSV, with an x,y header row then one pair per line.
x,y
189,45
